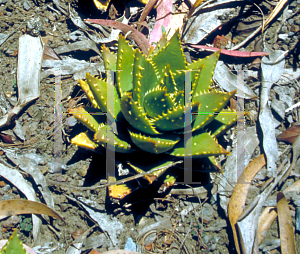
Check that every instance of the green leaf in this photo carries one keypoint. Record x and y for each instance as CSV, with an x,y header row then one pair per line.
x,y
207,66
86,118
110,59
153,144
202,145
136,116
210,104
157,103
223,121
120,145
173,119
144,78
13,245
125,61
173,54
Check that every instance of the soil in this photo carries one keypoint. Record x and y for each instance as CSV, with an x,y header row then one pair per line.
x,y
200,225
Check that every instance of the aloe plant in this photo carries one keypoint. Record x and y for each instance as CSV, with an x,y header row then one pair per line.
x,y
13,245
149,104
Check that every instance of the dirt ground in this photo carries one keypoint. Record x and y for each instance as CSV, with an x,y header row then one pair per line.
x,y
188,223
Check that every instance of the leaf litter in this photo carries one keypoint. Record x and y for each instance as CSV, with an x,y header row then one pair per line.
x,y
35,123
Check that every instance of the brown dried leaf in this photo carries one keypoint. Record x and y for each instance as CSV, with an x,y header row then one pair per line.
x,y
269,214
264,222
138,37
290,134
6,138
49,54
21,206
287,236
238,198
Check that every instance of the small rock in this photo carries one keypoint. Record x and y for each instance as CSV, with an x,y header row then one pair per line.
x,y
298,22
3,1
11,222
51,17
290,34
295,28
290,21
208,212
284,29
130,245
283,36
293,4
6,188
26,6
285,47
71,121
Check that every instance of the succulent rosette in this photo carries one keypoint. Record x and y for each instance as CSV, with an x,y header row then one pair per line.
x,y
150,104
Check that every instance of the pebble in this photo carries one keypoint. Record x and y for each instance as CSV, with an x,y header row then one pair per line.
x,y
26,6
282,36
6,188
294,28
284,29
290,34
298,22
208,212
291,21
11,222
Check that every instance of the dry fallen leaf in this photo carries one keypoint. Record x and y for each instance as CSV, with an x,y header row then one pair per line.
x,y
21,206
94,252
235,53
138,37
270,214
290,134
287,236
264,222
6,138
238,198
49,54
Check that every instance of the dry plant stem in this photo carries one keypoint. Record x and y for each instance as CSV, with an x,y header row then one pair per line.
x,y
269,19
146,11
296,154
113,183
279,169
251,206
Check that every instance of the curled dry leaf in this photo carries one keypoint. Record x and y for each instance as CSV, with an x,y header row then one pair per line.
x,y
290,134
21,206
287,236
138,37
164,13
270,214
264,222
235,53
6,138
49,54
238,198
